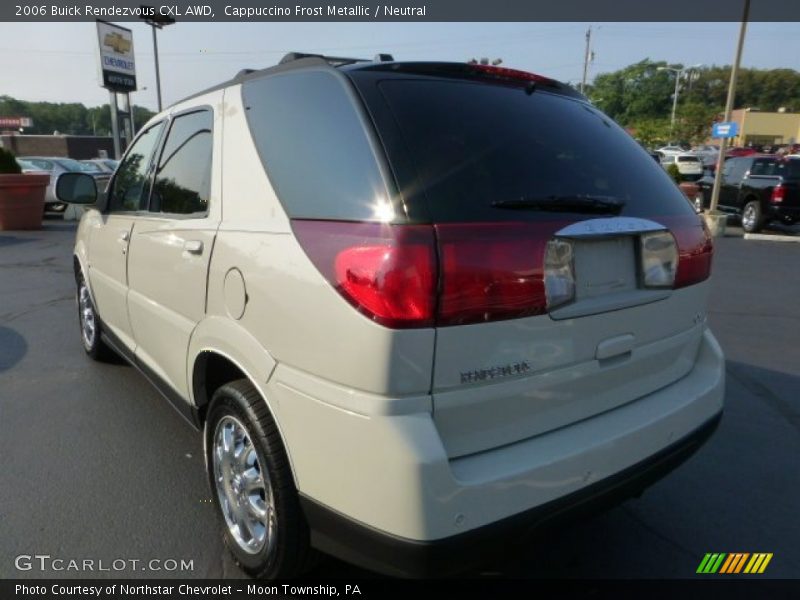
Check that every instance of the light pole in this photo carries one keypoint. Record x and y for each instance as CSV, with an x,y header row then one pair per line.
x,y
717,220
156,21
678,74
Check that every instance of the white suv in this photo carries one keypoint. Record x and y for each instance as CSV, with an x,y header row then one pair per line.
x,y
418,309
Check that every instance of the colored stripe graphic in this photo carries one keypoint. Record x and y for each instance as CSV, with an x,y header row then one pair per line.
x,y
703,563
711,563
737,563
741,562
727,564
734,563
767,558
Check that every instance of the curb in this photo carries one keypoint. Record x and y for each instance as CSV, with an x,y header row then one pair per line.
x,y
767,237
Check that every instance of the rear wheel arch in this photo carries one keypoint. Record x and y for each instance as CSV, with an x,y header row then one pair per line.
x,y
210,372
211,369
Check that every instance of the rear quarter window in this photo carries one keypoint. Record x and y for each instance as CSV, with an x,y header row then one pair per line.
x,y
788,169
475,143
314,145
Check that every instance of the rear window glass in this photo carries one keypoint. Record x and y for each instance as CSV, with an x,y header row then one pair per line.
x,y
475,144
763,167
689,159
788,169
314,146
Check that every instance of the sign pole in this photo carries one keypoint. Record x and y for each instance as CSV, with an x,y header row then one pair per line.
x,y
723,146
130,112
158,75
112,101
117,73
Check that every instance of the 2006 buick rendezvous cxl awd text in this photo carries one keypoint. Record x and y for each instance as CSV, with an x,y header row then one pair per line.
x,y
417,309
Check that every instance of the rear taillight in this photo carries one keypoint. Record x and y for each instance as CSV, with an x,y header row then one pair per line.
x,y
404,276
695,250
658,255
388,272
559,273
778,193
491,271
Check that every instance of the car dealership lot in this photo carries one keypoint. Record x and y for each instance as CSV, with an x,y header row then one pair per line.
x,y
97,466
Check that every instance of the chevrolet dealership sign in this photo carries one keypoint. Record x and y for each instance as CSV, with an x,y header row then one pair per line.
x,y
117,64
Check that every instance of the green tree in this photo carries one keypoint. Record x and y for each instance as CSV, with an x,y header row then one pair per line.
x,y
67,118
639,96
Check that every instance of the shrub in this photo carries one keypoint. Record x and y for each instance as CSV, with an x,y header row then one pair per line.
x,y
674,172
8,164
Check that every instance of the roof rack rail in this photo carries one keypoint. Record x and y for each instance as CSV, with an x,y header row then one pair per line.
x,y
332,60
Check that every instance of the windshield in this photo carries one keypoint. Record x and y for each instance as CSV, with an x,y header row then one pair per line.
x,y
24,164
477,144
74,165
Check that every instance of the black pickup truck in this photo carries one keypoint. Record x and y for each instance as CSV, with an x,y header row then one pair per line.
x,y
758,188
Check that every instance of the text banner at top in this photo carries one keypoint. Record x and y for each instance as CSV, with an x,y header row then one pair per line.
x,y
405,11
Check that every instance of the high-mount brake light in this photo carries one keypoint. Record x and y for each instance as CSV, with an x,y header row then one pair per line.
x,y
506,73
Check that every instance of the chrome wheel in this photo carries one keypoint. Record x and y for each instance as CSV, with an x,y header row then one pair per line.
x,y
87,317
749,217
243,488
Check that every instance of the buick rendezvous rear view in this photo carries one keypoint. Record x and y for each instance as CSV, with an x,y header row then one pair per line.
x,y
418,309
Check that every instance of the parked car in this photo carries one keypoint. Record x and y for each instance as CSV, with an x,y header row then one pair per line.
x,y
759,189
55,166
740,151
28,167
708,154
690,166
105,165
671,150
408,333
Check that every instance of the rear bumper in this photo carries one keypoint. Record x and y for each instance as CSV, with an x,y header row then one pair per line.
x,y
379,488
356,543
784,213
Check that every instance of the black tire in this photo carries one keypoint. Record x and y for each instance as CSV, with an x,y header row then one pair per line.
x,y
92,343
752,219
289,553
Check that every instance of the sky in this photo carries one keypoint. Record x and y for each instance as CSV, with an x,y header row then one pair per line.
x,y
57,62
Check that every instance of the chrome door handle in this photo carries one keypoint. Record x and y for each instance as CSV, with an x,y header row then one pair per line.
x,y
193,246
124,236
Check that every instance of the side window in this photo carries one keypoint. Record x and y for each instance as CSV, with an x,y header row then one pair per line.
x,y
183,177
313,145
734,170
129,191
761,167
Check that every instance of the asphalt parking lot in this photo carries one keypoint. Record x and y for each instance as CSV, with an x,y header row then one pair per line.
x,y
96,465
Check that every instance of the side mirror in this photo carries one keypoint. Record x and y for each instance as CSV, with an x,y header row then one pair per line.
x,y
76,188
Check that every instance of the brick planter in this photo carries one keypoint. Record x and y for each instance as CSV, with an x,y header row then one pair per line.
x,y
22,201
689,189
